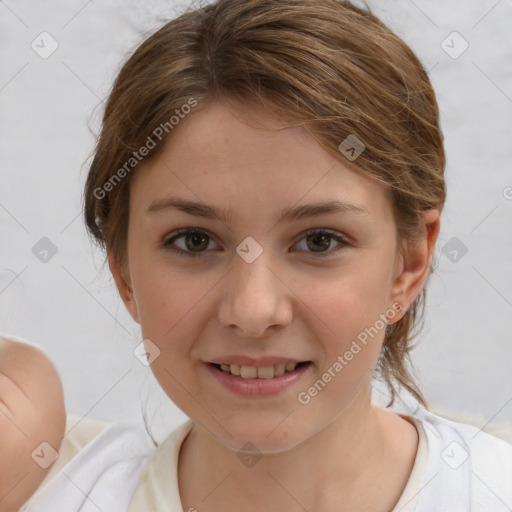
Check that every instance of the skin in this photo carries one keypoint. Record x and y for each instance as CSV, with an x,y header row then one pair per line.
x,y
289,302
32,412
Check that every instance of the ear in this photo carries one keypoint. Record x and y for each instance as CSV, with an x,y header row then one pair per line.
x,y
414,262
124,286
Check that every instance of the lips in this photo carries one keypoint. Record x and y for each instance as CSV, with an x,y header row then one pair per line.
x,y
250,384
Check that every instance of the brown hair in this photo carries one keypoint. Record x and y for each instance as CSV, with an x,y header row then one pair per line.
x,y
326,63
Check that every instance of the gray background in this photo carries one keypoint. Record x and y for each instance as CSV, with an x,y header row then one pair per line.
x,y
69,305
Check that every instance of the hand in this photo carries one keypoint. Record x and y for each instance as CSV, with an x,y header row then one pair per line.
x,y
32,412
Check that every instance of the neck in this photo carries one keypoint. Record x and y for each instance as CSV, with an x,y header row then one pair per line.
x,y
336,469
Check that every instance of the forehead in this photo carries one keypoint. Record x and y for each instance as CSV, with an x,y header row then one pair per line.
x,y
241,156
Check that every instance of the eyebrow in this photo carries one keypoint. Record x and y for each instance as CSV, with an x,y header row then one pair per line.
x,y
288,214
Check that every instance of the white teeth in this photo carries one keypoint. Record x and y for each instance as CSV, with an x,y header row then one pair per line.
x,y
248,372
234,369
264,372
279,369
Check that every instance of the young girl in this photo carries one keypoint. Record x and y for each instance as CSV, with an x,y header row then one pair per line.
x,y
268,185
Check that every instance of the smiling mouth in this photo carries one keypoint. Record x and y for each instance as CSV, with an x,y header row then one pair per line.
x,y
265,372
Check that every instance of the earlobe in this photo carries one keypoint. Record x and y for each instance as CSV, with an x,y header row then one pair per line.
x,y
416,258
124,287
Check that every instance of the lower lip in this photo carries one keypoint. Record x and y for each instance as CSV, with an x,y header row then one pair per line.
x,y
257,387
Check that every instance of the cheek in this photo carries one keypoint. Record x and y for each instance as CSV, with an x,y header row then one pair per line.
x,y
171,315
167,304
347,311
350,333
347,297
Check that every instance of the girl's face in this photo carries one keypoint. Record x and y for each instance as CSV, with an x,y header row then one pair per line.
x,y
261,284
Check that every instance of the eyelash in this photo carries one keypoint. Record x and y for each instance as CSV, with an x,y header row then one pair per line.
x,y
167,244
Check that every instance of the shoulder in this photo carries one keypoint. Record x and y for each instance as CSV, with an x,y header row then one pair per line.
x,y
158,488
474,437
32,418
95,458
467,467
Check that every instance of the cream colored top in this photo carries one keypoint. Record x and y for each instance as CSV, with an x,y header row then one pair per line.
x,y
457,468
158,491
158,488
409,498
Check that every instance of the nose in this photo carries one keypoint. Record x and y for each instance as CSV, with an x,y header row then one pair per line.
x,y
255,299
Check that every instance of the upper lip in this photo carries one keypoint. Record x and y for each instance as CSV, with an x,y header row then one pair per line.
x,y
249,361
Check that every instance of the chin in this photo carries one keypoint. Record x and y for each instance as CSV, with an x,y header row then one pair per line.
x,y
267,435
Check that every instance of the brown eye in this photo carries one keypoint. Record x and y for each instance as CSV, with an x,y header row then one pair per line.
x,y
318,242
196,242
